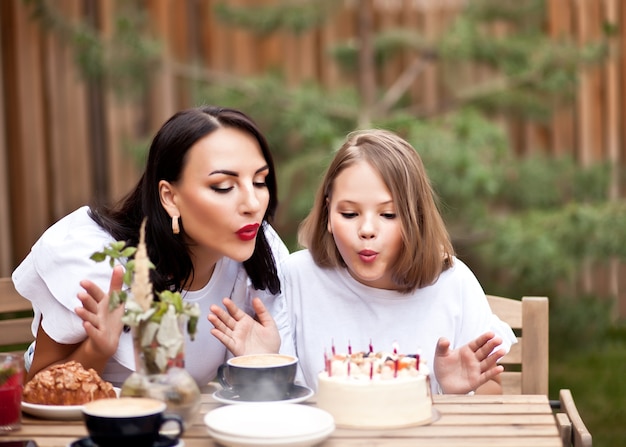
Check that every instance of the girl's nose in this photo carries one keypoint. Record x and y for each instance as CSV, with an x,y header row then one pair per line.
x,y
367,230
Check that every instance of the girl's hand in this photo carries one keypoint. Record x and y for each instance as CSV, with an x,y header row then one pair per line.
x,y
462,370
242,334
103,326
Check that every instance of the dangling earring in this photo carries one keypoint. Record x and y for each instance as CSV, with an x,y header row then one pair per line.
x,y
175,226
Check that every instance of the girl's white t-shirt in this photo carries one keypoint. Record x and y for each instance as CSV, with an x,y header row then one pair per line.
x,y
330,309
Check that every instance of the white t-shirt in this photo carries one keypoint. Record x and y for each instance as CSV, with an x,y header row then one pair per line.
x,y
49,277
330,308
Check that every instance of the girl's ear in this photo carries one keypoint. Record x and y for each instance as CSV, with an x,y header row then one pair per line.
x,y
167,194
328,226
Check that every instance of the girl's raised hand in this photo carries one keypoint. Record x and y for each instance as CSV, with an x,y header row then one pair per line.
x,y
462,370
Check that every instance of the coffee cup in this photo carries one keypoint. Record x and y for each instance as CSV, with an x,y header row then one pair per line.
x,y
259,377
129,421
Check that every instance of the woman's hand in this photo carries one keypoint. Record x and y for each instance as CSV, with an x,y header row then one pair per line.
x,y
103,326
103,329
462,370
242,334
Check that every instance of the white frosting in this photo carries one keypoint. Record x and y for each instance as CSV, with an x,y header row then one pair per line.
x,y
374,393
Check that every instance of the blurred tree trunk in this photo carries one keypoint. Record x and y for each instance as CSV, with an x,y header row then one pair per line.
x,y
367,66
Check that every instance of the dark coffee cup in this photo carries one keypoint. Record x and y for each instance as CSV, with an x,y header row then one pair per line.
x,y
259,377
129,421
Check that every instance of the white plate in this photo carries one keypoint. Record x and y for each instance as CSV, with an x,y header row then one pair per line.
x,y
56,412
258,424
298,394
296,441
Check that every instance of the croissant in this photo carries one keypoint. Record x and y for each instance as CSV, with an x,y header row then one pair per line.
x,y
66,384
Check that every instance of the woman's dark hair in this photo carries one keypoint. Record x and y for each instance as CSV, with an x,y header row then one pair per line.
x,y
166,160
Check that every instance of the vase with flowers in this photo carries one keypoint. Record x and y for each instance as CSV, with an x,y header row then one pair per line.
x,y
158,327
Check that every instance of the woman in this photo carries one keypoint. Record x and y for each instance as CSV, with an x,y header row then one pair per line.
x,y
380,271
208,192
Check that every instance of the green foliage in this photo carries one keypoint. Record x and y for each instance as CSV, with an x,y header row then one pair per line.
x,y
124,61
305,117
388,45
538,250
536,72
595,374
539,182
579,328
118,253
296,17
526,14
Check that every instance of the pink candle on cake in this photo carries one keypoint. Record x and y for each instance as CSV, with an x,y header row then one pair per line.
x,y
349,356
325,361
417,360
395,359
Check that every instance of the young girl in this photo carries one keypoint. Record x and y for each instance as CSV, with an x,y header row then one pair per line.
x,y
380,272
208,192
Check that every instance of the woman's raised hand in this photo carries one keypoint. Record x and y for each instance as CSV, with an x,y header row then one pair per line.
x,y
103,326
242,334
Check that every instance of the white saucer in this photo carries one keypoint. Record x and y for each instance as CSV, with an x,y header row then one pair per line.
x,y
269,425
87,442
297,394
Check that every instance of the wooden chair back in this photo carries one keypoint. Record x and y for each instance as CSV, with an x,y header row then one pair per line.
x,y
526,364
16,316
572,428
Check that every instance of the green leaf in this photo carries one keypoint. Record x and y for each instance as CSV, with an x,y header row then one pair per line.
x,y
118,245
192,327
116,299
98,256
128,276
128,252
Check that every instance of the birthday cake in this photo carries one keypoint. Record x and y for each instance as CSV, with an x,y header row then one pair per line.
x,y
375,390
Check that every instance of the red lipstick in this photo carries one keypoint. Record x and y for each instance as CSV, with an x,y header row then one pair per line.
x,y
248,232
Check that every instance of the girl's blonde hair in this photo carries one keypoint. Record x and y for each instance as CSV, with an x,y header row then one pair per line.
x,y
427,247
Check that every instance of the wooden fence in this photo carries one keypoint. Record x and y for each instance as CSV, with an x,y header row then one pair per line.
x,y
62,140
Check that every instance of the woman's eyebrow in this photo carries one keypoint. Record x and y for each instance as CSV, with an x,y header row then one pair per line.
x,y
225,172
236,174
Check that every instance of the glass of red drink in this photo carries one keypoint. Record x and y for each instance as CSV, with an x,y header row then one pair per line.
x,y
11,384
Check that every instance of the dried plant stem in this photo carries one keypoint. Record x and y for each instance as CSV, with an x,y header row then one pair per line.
x,y
141,287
